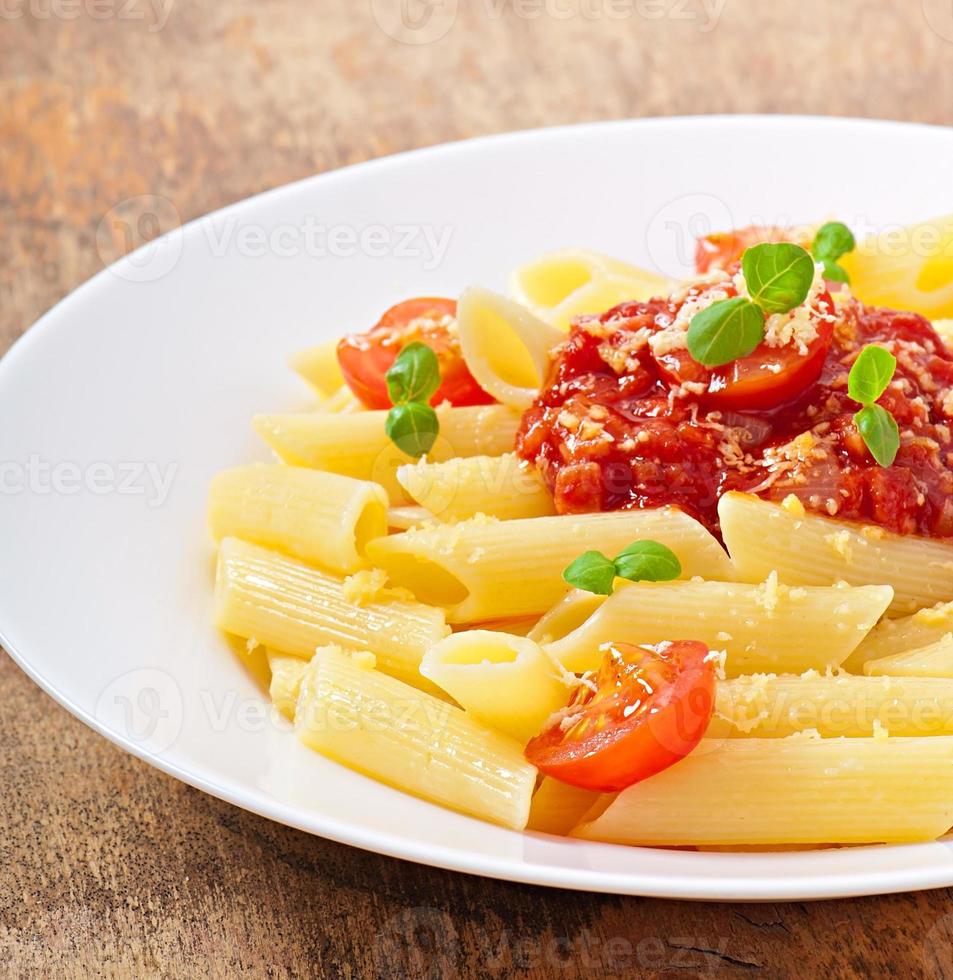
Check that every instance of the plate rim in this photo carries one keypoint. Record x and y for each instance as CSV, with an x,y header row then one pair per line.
x,y
728,887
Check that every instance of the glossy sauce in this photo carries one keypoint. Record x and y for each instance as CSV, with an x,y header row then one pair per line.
x,y
610,437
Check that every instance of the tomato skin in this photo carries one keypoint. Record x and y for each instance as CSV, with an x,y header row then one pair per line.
x,y
651,709
365,358
765,379
724,248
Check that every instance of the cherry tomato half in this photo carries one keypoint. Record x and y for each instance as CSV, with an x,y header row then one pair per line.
x,y
365,358
724,248
766,378
651,708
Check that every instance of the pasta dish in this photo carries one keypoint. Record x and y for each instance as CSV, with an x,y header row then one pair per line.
x,y
621,558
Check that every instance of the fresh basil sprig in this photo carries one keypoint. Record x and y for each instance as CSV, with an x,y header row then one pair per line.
x,y
641,561
778,277
832,241
867,381
412,380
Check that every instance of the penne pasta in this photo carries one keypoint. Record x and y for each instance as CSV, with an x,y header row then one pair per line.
x,y
562,285
507,682
406,738
469,568
769,706
796,790
505,346
767,627
891,636
558,807
934,660
318,517
356,445
404,518
286,674
319,366
293,608
806,549
567,615
504,487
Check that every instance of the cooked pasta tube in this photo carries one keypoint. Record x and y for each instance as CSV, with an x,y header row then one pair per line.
x,y
934,660
505,346
767,627
487,569
356,445
806,549
508,682
892,636
770,706
319,366
504,486
558,807
567,615
796,790
293,608
410,740
565,284
319,517
286,674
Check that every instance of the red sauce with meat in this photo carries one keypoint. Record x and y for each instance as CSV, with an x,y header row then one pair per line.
x,y
609,435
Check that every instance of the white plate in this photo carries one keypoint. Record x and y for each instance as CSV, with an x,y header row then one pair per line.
x,y
105,571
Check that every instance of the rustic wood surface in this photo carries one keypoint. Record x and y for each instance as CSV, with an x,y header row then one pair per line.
x,y
111,868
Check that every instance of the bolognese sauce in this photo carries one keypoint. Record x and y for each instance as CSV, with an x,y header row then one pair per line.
x,y
626,419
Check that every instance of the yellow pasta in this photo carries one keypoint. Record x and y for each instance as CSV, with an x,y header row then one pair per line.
x,y
319,517
505,346
890,636
408,739
558,807
286,674
934,660
470,568
505,487
293,608
806,549
567,615
507,682
356,445
834,706
796,790
767,627
562,285
319,366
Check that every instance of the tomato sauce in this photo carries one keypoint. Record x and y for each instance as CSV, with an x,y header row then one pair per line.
x,y
613,429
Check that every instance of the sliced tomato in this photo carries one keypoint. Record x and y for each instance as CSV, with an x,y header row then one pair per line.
x,y
766,378
724,248
651,708
365,358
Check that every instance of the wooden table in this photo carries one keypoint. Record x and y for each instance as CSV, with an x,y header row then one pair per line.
x,y
110,867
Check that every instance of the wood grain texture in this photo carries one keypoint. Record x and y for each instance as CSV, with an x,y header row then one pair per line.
x,y
113,869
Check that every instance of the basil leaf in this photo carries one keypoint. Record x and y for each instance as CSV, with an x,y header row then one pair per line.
x,y
592,572
835,272
778,276
725,331
648,561
412,428
832,241
878,429
870,374
414,376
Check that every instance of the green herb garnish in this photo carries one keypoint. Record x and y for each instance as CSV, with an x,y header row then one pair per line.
x,y
641,561
867,381
832,241
778,277
412,380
